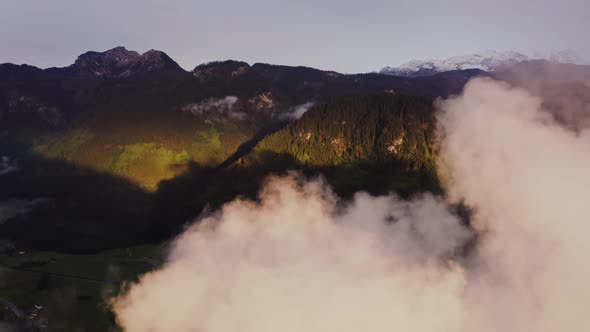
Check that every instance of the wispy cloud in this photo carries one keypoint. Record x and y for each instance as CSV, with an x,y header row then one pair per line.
x,y
296,112
214,108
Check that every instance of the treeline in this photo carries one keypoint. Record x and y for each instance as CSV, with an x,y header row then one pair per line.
x,y
382,129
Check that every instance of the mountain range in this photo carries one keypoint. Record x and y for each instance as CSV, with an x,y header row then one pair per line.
x,y
127,142
488,61
56,96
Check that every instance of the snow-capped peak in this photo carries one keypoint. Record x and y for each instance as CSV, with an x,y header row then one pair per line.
x,y
489,60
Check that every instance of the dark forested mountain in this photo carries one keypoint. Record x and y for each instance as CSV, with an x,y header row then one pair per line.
x,y
116,110
380,143
123,142
379,129
120,139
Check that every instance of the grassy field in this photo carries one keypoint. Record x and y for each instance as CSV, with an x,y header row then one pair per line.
x,y
73,288
144,147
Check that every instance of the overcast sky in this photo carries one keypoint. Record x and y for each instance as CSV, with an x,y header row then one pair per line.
x,y
343,35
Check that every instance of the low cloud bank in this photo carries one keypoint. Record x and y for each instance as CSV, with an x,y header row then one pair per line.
x,y
295,261
300,259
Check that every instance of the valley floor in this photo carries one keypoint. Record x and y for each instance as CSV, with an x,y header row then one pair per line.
x,y
49,291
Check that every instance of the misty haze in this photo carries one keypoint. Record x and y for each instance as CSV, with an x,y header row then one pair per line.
x,y
353,167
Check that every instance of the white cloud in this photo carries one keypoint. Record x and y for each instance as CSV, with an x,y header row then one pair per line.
x,y
214,108
295,261
298,260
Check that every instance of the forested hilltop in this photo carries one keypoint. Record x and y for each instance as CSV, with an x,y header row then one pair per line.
x,y
394,130
380,143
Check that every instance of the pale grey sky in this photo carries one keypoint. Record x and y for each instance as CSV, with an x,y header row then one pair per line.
x,y
343,35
